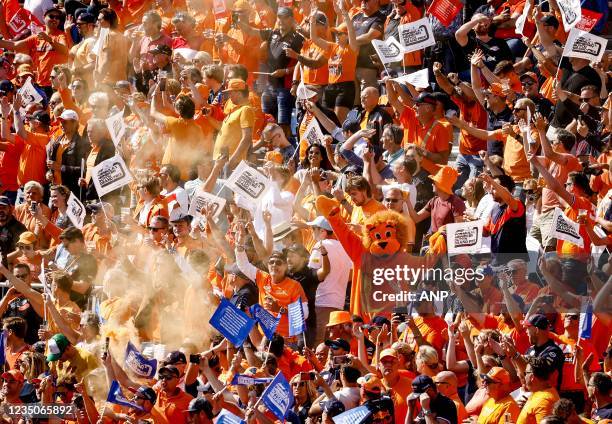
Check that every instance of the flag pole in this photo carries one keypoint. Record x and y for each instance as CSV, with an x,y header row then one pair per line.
x,y
80,186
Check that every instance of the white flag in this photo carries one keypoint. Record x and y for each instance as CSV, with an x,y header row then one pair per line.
x,y
38,7
419,79
97,47
520,21
416,35
571,13
564,228
110,175
201,200
76,211
585,45
464,237
313,133
389,50
29,95
248,182
116,127
352,416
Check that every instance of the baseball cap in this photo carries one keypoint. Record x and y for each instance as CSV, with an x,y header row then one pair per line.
x,y
6,87
42,117
338,344
86,18
234,270
235,84
69,115
161,49
199,405
530,75
14,375
339,317
284,12
175,357
538,321
379,321
320,18
54,9
332,407
298,249
388,353
370,383
320,222
146,393
57,346
27,237
419,385
5,201
498,375
171,369
182,218
426,98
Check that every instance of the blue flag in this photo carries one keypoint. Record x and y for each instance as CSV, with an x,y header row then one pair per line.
x,y
116,396
247,380
138,364
278,396
230,321
266,320
297,324
352,416
2,347
586,322
226,417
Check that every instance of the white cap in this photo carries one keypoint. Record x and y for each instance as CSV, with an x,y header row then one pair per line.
x,y
320,222
69,115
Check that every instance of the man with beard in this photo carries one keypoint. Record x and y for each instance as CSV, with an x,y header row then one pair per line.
x,y
531,89
495,50
10,228
309,278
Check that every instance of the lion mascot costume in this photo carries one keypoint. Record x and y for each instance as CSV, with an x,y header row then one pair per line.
x,y
379,258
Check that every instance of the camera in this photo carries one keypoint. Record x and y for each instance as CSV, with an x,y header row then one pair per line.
x,y
307,376
195,359
33,206
341,359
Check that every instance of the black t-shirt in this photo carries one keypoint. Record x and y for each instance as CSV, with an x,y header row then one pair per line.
x,y
543,106
246,296
508,234
363,24
9,234
443,407
84,268
572,81
307,277
495,50
21,307
277,59
495,121
552,354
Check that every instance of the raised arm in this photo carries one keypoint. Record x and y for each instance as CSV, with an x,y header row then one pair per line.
x,y
503,192
35,298
442,80
552,182
475,64
393,95
462,33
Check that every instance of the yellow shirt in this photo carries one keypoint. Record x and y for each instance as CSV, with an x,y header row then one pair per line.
x,y
361,213
493,412
80,365
539,405
186,143
231,130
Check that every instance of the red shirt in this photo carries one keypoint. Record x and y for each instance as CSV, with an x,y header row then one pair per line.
x,y
9,165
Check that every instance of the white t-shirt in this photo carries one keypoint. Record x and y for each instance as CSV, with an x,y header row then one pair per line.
x,y
178,202
349,396
332,291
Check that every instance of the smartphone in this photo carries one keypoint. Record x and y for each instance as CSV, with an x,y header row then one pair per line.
x,y
401,312
341,359
33,206
548,299
106,345
307,376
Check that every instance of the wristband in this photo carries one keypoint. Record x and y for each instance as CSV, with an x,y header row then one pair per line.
x,y
323,254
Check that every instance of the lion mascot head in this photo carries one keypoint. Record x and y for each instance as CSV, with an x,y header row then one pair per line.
x,y
385,233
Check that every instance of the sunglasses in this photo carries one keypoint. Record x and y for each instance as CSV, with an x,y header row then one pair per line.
x,y
26,247
55,17
155,229
585,99
166,377
391,200
276,262
527,83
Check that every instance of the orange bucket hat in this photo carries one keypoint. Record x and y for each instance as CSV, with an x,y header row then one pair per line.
x,y
445,179
339,317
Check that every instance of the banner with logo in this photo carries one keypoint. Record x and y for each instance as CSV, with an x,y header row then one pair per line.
x,y
230,321
418,79
138,363
248,182
278,396
247,380
313,133
389,50
353,416
416,35
115,395
585,45
226,417
29,95
76,211
297,323
445,10
116,127
564,228
110,174
589,20
266,320
464,237
571,12
203,200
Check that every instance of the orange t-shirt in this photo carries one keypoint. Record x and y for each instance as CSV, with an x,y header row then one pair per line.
x,y
314,76
341,64
434,331
601,184
284,293
398,393
45,57
363,212
473,113
241,49
515,160
528,291
33,160
12,357
434,136
568,346
172,408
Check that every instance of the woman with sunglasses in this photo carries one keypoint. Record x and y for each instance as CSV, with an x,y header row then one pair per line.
x,y
304,394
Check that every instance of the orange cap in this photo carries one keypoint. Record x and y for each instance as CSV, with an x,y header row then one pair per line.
x,y
339,317
497,374
235,84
